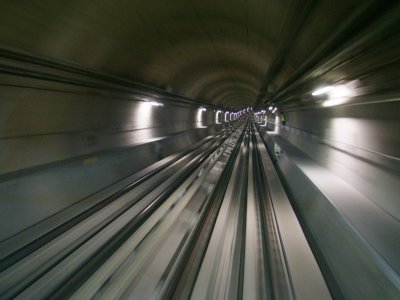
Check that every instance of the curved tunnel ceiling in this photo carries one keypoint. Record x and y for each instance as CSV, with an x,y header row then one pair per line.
x,y
226,53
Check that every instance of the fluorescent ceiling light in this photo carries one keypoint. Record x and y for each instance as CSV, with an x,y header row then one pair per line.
x,y
337,95
155,103
340,91
322,90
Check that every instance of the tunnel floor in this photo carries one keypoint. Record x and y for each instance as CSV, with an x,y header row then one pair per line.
x,y
212,222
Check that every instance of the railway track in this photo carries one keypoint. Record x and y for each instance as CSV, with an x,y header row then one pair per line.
x,y
212,222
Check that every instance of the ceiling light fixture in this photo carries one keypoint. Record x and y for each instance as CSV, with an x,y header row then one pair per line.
x,y
322,90
337,95
155,103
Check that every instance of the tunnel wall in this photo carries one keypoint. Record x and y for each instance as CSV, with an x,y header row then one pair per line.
x,y
44,126
65,135
340,166
372,127
360,144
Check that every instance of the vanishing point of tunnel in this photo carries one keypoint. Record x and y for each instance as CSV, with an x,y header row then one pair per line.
x,y
214,149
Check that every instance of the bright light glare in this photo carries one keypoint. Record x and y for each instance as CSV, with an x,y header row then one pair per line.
x,y
199,119
323,90
338,95
333,102
143,114
155,103
226,119
217,117
270,108
340,91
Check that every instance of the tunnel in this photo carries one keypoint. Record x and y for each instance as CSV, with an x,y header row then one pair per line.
x,y
242,149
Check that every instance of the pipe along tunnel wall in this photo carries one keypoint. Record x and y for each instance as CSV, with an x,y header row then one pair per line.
x,y
71,138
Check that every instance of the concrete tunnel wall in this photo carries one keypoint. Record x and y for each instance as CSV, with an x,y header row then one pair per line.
x,y
341,172
62,143
68,131
59,147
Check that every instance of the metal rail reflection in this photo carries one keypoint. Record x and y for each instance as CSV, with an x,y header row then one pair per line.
x,y
203,224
